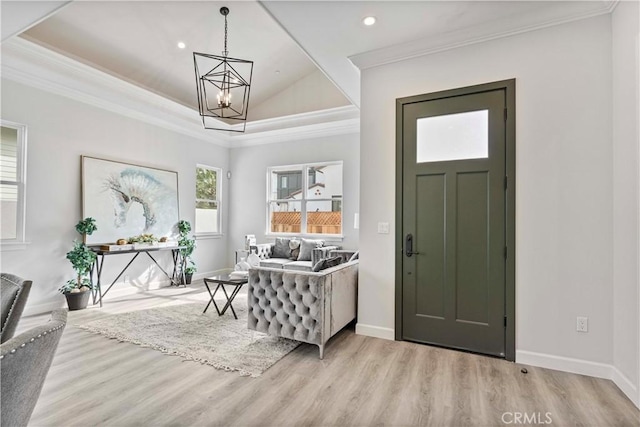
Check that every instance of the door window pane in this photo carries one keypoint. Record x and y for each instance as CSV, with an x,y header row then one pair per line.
x,y
453,137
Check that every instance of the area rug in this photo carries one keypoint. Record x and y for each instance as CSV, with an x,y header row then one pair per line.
x,y
219,341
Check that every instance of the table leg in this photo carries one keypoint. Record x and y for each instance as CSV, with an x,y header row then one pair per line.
x,y
230,300
206,284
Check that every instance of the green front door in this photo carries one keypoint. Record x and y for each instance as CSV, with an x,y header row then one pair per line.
x,y
454,216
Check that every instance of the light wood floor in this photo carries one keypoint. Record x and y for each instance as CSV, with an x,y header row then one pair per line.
x,y
95,381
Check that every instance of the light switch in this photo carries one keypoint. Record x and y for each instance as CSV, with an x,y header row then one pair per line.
x,y
383,228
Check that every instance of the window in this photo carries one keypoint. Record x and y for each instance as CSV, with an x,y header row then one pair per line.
x,y
453,137
12,182
208,218
305,199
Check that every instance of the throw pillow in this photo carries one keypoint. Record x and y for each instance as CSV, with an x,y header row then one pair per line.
x,y
355,256
281,248
323,264
294,246
318,265
332,262
306,248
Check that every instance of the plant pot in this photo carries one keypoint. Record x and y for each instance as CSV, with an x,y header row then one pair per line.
x,y
77,300
187,278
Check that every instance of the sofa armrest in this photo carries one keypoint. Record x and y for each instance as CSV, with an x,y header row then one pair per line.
x,y
321,253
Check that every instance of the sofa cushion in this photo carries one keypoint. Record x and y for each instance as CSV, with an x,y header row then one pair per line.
x,y
327,263
298,265
281,248
306,248
274,262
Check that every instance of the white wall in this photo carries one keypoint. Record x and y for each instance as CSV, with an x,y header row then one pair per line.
x,y
249,182
313,92
60,130
626,138
564,179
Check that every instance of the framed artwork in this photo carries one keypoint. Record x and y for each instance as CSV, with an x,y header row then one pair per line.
x,y
127,200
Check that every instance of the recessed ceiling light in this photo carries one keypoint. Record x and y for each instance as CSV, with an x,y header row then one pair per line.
x,y
181,45
369,21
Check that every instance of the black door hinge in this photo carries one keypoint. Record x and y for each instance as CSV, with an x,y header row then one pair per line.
x,y
505,114
505,252
505,321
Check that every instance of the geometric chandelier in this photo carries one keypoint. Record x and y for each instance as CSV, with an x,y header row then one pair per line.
x,y
223,86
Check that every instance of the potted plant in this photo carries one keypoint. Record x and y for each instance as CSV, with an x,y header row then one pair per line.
x,y
188,272
187,246
82,258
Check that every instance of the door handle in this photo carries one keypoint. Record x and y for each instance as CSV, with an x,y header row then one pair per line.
x,y
408,245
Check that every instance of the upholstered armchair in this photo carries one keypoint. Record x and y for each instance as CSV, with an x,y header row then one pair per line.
x,y
304,306
24,363
13,297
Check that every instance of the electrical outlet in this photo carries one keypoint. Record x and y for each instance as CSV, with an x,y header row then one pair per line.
x,y
582,324
383,228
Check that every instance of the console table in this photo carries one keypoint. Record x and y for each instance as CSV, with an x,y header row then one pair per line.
x,y
176,277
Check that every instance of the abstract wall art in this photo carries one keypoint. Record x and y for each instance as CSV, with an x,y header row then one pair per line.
x,y
127,200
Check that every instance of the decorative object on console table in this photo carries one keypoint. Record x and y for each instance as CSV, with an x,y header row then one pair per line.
x,y
143,241
187,246
113,192
76,291
249,240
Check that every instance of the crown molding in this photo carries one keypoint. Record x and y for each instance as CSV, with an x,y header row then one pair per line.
x,y
33,65
429,46
318,130
30,64
302,119
612,5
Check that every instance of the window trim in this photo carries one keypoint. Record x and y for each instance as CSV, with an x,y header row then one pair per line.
x,y
303,201
219,233
19,241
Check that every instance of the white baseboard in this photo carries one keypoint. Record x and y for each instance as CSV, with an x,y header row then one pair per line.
x,y
582,367
120,289
48,307
375,331
625,385
566,364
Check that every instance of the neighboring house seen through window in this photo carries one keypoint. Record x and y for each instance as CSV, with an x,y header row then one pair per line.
x,y
12,185
305,199
208,218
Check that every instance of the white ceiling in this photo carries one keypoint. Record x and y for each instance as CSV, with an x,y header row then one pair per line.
x,y
332,33
136,40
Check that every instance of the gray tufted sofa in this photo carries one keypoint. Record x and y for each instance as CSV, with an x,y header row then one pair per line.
x,y
265,253
303,306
